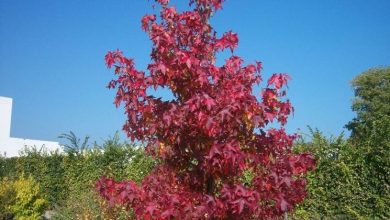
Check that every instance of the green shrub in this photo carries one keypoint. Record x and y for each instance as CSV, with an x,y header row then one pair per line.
x,y
29,203
67,180
84,168
342,186
8,167
114,159
7,198
89,205
47,169
21,199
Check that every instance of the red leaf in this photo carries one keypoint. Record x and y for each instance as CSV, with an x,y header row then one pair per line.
x,y
212,129
278,80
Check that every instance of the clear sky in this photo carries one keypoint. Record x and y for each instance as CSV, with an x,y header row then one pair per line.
x,y
51,57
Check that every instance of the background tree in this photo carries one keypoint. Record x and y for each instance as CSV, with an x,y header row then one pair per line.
x,y
352,178
372,101
371,132
217,159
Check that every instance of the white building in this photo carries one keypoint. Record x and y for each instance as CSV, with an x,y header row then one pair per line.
x,y
10,146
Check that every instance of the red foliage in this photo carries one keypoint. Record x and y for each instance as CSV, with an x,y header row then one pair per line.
x,y
211,132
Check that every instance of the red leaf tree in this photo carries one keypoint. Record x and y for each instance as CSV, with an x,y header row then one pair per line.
x,y
217,159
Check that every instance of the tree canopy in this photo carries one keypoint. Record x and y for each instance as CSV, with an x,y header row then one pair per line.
x,y
218,158
371,102
352,177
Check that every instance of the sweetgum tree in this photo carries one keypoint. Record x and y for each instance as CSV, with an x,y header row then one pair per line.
x,y
217,159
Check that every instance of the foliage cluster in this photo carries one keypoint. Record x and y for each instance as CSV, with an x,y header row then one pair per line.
x,y
345,183
67,180
7,197
334,188
219,158
371,102
21,199
351,180
352,177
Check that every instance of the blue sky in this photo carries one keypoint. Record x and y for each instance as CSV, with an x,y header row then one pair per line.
x,y
51,57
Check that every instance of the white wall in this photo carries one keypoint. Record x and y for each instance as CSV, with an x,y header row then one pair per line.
x,y
9,146
5,117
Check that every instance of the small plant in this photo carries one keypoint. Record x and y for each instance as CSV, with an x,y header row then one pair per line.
x,y
74,145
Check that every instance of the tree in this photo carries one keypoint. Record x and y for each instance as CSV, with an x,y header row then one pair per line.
x,y
372,100
370,133
371,127
352,177
217,159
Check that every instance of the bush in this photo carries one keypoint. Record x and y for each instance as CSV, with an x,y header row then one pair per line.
x,y
47,169
29,203
342,185
67,181
8,167
82,169
7,198
114,159
88,205
21,199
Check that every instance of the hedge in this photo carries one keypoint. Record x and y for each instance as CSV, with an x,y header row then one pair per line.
x,y
64,178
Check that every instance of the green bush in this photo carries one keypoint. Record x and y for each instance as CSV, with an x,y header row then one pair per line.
x,y
67,180
29,203
82,170
21,199
7,198
47,169
342,186
89,205
8,167
114,159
